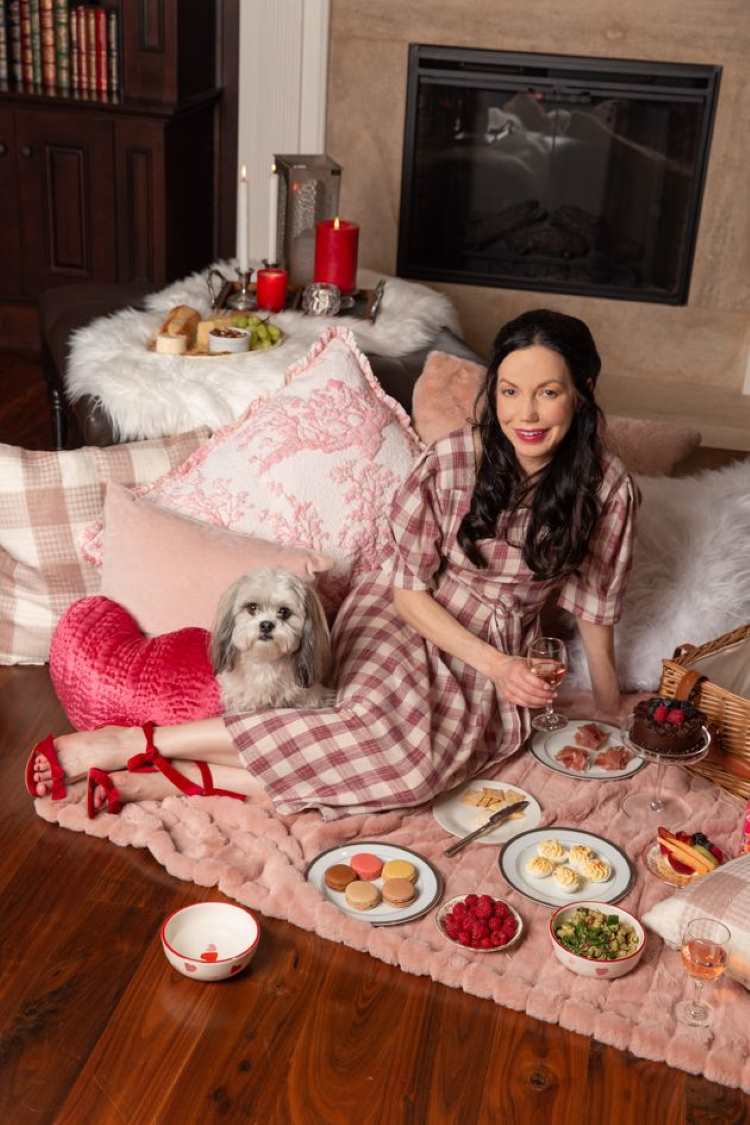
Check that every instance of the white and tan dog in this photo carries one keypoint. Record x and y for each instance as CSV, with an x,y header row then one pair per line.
x,y
270,645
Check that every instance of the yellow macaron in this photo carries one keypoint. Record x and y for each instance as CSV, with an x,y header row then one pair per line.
x,y
400,869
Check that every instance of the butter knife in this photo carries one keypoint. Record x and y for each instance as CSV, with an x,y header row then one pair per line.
x,y
496,818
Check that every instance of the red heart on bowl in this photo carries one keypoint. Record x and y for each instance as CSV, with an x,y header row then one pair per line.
x,y
235,969
209,955
602,972
189,968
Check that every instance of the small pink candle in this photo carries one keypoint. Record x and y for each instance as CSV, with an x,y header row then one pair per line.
x,y
270,289
336,247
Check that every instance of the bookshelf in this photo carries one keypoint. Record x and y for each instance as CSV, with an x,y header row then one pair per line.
x,y
113,182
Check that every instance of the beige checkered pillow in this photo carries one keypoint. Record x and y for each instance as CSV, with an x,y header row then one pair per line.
x,y
724,895
46,499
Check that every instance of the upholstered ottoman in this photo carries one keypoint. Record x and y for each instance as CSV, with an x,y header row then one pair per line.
x,y
83,419
62,310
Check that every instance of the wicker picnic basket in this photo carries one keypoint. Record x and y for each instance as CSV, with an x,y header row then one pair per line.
x,y
728,712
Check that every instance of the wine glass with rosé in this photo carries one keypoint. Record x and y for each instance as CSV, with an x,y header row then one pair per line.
x,y
548,659
704,956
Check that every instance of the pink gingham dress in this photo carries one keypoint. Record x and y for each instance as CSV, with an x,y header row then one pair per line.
x,y
411,721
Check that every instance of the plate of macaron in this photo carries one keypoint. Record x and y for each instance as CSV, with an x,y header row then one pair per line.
x,y
383,884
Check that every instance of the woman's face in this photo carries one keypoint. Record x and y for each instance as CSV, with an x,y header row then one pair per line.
x,y
536,401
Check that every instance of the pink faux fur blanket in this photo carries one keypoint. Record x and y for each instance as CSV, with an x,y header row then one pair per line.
x,y
258,858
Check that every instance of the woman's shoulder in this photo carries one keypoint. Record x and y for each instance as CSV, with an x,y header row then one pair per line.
x,y
451,459
616,480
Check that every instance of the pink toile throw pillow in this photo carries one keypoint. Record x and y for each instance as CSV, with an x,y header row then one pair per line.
x,y
169,571
313,466
444,400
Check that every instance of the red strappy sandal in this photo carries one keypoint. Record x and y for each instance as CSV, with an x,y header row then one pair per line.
x,y
47,750
101,777
151,760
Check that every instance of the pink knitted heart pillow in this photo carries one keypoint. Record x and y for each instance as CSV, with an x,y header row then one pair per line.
x,y
105,670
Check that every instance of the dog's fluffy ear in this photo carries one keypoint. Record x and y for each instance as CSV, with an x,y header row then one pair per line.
x,y
222,650
312,660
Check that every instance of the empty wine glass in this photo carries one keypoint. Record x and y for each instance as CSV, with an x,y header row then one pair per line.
x,y
704,956
548,659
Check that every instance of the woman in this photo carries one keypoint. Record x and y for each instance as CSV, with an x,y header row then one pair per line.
x,y
433,686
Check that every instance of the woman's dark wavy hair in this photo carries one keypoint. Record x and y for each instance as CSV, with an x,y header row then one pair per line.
x,y
564,494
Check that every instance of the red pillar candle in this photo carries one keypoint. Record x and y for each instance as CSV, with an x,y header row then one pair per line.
x,y
270,289
336,245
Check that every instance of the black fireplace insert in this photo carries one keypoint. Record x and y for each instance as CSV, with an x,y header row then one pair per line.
x,y
554,173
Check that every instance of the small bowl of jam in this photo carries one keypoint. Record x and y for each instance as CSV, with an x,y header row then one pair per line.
x,y
228,340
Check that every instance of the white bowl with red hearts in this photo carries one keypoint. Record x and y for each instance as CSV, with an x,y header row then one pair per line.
x,y
210,940
591,966
479,923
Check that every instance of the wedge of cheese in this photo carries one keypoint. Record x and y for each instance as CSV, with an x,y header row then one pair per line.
x,y
206,326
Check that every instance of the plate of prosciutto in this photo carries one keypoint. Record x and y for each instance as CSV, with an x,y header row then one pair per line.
x,y
589,750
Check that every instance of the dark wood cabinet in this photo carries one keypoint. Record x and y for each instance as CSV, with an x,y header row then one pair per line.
x,y
117,191
65,173
10,236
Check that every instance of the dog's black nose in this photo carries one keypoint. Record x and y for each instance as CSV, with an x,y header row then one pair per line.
x,y
266,627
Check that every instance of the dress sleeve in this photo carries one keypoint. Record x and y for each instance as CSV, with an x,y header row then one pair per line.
x,y
416,528
596,591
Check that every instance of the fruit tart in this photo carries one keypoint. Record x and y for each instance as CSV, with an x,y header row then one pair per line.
x,y
679,858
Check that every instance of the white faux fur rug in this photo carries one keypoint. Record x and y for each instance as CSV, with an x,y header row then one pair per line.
x,y
691,572
148,395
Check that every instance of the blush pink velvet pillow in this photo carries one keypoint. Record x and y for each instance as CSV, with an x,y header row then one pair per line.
x,y
314,465
105,671
170,571
444,397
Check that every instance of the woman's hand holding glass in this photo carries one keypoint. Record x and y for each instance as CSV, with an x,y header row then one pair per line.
x,y
517,683
548,659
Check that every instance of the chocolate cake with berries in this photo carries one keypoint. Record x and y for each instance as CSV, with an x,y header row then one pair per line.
x,y
667,726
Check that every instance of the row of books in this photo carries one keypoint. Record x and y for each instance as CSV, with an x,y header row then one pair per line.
x,y
49,47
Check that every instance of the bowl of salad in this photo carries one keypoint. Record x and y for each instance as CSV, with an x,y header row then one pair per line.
x,y
597,939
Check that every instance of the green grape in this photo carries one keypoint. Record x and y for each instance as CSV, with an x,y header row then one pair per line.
x,y
274,332
253,321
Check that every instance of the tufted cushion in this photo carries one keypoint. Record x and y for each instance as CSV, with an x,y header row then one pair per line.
x,y
105,670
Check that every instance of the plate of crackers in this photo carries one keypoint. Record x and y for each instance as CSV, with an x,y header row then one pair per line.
x,y
462,810
383,884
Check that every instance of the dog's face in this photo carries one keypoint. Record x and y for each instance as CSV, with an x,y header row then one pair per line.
x,y
270,615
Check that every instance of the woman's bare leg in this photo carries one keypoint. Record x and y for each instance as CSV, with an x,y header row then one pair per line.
x,y
154,786
109,748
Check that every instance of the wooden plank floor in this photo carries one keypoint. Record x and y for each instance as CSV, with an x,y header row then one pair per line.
x,y
95,1027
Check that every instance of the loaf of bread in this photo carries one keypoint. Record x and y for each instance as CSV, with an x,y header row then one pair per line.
x,y
181,321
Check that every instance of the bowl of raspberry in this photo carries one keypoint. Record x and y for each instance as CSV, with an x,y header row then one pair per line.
x,y
479,922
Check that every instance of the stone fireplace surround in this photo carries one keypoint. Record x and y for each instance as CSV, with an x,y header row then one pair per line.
x,y
687,362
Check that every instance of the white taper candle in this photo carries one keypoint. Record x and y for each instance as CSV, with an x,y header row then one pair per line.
x,y
243,202
273,215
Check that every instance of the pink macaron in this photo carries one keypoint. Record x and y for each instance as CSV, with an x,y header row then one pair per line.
x,y
367,865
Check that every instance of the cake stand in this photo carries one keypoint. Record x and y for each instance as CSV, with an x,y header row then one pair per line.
x,y
657,807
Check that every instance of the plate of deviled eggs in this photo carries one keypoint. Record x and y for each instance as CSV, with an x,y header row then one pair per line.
x,y
557,865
